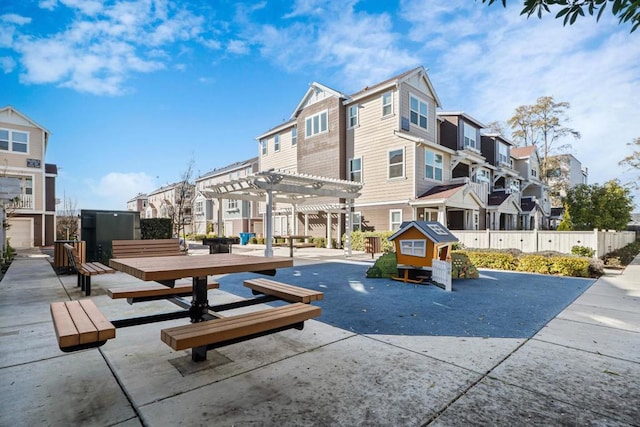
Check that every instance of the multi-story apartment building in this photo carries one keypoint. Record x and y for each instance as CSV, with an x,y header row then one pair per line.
x,y
173,201
23,146
564,172
138,204
234,215
534,199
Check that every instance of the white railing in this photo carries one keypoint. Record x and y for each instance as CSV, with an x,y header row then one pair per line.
x,y
441,273
25,201
602,242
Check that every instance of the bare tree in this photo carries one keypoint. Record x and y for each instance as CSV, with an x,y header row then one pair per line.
x,y
180,210
632,161
542,124
67,222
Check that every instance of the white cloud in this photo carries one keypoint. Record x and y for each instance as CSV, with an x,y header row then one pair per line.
x,y
7,64
104,44
115,188
12,18
237,47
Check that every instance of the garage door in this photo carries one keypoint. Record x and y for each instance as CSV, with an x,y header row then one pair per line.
x,y
20,232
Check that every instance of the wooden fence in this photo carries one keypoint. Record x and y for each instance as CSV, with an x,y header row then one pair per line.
x,y
602,242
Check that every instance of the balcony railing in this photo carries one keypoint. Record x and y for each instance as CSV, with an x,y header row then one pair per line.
x,y
24,201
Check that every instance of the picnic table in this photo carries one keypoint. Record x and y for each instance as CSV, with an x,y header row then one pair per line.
x,y
290,240
208,328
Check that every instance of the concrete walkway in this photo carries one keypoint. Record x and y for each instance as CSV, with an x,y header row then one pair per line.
x,y
582,368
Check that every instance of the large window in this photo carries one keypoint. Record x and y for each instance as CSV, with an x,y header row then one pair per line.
x,y
294,136
481,175
418,111
276,143
395,219
28,186
413,247
355,169
353,116
356,221
387,103
470,139
263,146
396,163
316,124
14,141
433,165
503,154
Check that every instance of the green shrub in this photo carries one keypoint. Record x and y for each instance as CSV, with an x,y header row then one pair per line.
x,y
385,266
534,264
570,266
494,260
626,254
358,239
156,228
582,251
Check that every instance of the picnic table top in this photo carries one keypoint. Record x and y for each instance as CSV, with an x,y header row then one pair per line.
x,y
172,267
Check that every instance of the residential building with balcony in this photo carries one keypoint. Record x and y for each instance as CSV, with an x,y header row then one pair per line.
x,y
174,201
138,204
23,146
534,196
226,217
565,171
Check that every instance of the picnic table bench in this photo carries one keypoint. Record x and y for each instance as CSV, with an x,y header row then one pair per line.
x,y
145,248
79,325
85,269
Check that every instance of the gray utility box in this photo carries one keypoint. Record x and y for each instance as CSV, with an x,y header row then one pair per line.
x,y
100,228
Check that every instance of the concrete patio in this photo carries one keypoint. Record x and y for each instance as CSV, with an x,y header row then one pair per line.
x,y
582,368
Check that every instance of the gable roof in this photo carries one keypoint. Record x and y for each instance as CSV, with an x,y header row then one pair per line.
x,y
441,191
313,88
464,115
433,230
9,111
523,152
396,80
233,166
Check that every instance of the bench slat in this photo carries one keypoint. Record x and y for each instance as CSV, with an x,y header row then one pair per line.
x,y
232,327
66,331
283,291
145,248
106,330
156,290
80,323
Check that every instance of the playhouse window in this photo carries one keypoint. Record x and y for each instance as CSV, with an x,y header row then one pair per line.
x,y
413,247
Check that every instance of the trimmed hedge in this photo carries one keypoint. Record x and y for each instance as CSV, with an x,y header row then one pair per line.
x,y
358,239
156,228
547,263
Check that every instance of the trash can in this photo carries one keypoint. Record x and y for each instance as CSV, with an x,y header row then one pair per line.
x,y
245,237
220,245
372,245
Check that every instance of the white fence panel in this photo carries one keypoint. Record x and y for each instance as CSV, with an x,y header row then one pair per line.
x,y
441,273
602,242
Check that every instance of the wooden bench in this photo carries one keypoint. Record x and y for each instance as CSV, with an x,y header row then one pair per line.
x,y
86,269
80,324
151,292
228,330
283,291
145,248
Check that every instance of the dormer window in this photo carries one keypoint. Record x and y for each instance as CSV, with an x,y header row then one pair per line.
x,y
470,137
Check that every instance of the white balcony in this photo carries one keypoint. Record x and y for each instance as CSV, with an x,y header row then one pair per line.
x,y
24,201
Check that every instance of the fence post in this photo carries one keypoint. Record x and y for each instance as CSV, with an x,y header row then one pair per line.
x,y
596,236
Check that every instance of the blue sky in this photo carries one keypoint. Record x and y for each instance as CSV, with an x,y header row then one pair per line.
x,y
132,91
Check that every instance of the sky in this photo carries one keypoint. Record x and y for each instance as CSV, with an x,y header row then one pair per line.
x,y
135,91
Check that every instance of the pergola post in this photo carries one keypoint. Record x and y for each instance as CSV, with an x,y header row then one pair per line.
x,y
348,227
268,251
219,217
294,220
306,224
329,244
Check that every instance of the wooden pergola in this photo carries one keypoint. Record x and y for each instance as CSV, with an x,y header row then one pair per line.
x,y
297,190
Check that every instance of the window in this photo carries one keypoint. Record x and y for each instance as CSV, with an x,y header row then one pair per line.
x,y
430,214
395,219
387,103
276,143
263,146
199,208
353,116
503,154
482,175
413,247
316,124
418,111
14,141
233,204
356,221
4,139
433,165
534,173
294,136
470,137
28,186
514,185
355,170
396,163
